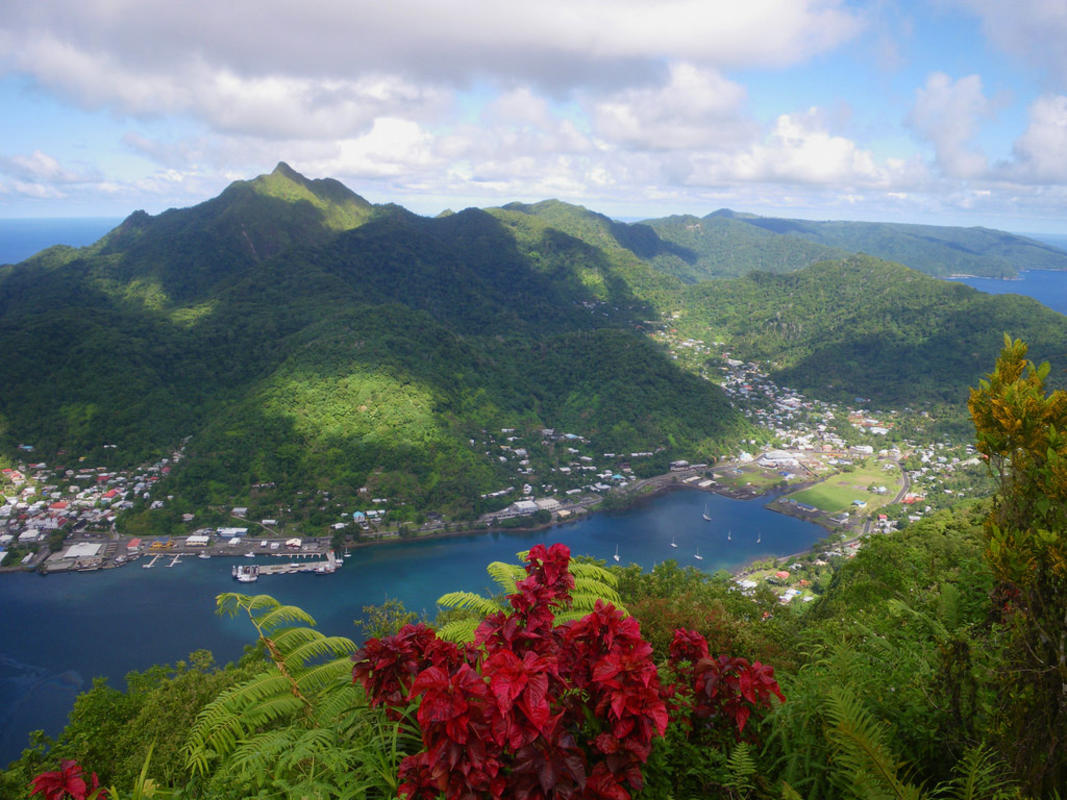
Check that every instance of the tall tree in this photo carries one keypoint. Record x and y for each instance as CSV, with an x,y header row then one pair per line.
x,y
1020,430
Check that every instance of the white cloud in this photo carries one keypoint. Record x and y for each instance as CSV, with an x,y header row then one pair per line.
x,y
1033,30
946,113
1041,151
333,67
798,150
696,108
42,168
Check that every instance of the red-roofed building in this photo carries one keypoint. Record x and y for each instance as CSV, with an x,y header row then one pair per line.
x,y
111,493
58,506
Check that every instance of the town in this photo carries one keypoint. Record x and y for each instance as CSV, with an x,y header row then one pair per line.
x,y
855,471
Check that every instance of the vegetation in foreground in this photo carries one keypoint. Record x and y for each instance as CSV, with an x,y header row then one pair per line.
x,y
932,666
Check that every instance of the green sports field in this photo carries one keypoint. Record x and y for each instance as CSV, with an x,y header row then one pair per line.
x,y
837,492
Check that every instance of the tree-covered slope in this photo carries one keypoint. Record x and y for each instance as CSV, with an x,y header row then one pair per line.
x,y
867,327
303,338
720,246
724,239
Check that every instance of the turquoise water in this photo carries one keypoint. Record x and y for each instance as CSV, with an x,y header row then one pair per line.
x,y
59,631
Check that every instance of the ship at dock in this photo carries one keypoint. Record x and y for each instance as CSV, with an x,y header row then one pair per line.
x,y
246,573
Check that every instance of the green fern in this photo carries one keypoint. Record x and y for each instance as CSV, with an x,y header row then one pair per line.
x,y
300,728
740,767
978,775
861,752
591,583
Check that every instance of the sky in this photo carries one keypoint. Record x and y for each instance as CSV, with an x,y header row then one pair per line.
x,y
949,112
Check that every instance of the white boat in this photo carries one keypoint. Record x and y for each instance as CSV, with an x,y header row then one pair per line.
x,y
706,515
250,555
759,536
616,556
698,557
246,573
673,543
203,555
729,536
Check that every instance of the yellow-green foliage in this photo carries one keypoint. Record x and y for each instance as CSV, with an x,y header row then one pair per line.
x,y
364,404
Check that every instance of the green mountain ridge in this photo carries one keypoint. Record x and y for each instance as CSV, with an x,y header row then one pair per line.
x,y
307,339
936,250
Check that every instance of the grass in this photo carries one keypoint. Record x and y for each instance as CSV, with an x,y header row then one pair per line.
x,y
838,492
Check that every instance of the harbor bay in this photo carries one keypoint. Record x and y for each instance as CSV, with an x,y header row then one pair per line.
x,y
61,631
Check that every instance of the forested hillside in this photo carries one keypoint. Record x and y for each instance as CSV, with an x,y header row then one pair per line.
x,y
929,667
305,339
298,338
728,243
863,327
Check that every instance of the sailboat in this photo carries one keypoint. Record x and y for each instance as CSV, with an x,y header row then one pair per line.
x,y
729,536
759,536
698,557
616,556
674,544
706,515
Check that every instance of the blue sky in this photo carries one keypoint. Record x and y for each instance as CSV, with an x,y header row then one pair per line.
x,y
945,112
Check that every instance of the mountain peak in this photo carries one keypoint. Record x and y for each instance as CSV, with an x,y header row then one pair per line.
x,y
286,171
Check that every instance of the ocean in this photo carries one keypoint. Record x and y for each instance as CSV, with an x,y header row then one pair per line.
x,y
21,238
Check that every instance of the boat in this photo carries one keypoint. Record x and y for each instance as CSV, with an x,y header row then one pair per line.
x,y
616,556
203,555
706,515
698,557
759,536
250,555
674,544
729,536
246,573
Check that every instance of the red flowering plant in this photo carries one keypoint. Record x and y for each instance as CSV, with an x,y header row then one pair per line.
x,y
718,689
67,782
538,711
531,711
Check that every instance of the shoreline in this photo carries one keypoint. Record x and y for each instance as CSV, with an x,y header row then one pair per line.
x,y
645,490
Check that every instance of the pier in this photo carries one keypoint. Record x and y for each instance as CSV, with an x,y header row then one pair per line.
x,y
320,567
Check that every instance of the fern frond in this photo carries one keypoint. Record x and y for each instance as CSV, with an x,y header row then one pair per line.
x,y
459,630
283,615
595,572
861,750
319,647
232,602
505,575
979,775
741,766
332,674
291,638
469,601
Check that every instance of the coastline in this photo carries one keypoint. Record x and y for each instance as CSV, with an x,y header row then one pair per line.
x,y
620,501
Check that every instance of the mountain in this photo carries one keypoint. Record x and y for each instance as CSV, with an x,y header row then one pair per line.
x,y
861,326
308,341
730,243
